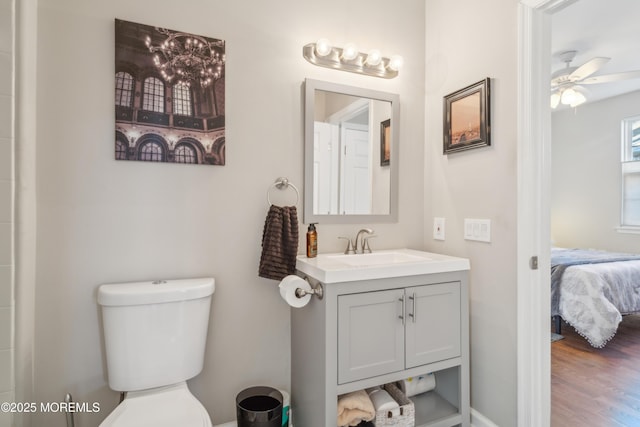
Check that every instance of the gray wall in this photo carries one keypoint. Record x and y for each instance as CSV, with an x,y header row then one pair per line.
x,y
6,205
99,220
467,41
586,177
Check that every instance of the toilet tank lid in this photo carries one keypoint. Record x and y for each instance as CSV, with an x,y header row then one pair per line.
x,y
155,292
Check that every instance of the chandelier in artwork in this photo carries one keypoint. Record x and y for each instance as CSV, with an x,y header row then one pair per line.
x,y
188,58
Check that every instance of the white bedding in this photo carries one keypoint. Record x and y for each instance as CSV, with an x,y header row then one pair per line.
x,y
593,297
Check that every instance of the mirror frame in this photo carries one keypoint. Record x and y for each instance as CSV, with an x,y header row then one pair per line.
x,y
309,115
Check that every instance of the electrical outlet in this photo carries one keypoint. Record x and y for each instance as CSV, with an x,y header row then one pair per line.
x,y
438,228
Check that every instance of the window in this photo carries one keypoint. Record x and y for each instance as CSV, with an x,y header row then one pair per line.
x,y
121,150
151,152
631,172
124,89
182,100
185,154
153,99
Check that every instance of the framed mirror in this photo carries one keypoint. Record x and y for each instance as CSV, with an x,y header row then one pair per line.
x,y
351,154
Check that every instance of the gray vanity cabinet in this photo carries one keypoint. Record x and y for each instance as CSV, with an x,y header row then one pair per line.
x,y
391,330
371,332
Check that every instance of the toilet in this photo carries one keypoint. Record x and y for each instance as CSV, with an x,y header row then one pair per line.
x,y
155,335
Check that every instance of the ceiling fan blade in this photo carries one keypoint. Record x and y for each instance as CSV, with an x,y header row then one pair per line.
x,y
588,68
616,77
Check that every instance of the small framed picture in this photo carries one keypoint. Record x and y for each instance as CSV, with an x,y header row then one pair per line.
x,y
385,142
467,118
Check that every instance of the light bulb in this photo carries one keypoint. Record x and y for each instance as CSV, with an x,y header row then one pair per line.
x,y
323,47
396,62
555,100
579,99
568,96
350,51
373,57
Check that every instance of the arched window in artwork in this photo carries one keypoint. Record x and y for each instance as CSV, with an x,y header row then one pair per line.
x,y
218,152
182,100
153,95
121,150
185,153
124,89
151,152
121,146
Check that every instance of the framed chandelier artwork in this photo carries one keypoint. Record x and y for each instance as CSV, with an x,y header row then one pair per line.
x,y
169,95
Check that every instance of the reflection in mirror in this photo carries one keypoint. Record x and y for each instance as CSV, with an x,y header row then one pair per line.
x,y
350,154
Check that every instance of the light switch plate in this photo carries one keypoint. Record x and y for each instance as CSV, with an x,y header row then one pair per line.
x,y
438,228
477,229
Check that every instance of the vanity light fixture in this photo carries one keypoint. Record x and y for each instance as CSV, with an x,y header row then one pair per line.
x,y
349,58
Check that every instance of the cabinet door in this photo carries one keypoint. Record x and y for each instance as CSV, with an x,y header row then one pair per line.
x,y
433,323
370,334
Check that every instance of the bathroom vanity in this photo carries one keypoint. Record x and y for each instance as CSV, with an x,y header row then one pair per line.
x,y
383,317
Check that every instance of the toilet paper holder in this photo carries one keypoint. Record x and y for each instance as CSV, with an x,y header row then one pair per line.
x,y
316,290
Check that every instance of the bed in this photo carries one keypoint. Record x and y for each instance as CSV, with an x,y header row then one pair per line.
x,y
591,290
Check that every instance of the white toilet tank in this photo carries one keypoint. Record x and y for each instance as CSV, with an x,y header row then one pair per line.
x,y
155,332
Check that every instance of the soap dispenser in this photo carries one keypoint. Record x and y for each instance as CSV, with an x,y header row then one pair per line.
x,y
312,241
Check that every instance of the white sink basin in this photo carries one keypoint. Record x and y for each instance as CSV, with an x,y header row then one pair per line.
x,y
331,268
377,258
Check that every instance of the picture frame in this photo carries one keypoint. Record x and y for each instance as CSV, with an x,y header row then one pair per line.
x,y
467,118
385,142
169,103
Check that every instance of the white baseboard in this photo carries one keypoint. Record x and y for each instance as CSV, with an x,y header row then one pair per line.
x,y
479,420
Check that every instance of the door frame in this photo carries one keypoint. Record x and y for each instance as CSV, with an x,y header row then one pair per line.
x,y
534,194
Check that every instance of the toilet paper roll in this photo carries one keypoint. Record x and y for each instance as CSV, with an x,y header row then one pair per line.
x,y
288,287
382,401
416,385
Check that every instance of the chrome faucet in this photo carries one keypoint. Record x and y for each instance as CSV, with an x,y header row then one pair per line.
x,y
350,249
352,246
364,241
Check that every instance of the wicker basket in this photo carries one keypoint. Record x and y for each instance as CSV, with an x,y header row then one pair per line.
x,y
407,417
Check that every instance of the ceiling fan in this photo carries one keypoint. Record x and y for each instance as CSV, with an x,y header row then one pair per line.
x,y
566,83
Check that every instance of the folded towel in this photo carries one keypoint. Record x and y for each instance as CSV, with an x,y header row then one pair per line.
x,y
279,243
382,401
353,408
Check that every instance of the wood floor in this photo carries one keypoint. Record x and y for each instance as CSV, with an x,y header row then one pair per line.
x,y
593,387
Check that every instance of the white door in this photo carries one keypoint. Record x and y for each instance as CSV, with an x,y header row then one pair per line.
x,y
326,149
356,169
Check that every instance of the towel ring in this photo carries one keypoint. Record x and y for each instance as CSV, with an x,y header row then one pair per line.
x,y
282,183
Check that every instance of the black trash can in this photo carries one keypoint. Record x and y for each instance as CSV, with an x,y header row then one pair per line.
x,y
259,407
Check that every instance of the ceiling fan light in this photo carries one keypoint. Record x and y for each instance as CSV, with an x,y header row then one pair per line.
x,y
568,97
579,99
555,100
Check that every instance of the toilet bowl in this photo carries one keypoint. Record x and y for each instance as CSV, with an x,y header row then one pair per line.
x,y
155,335
164,407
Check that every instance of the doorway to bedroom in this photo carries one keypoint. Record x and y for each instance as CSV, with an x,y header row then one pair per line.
x,y
594,375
